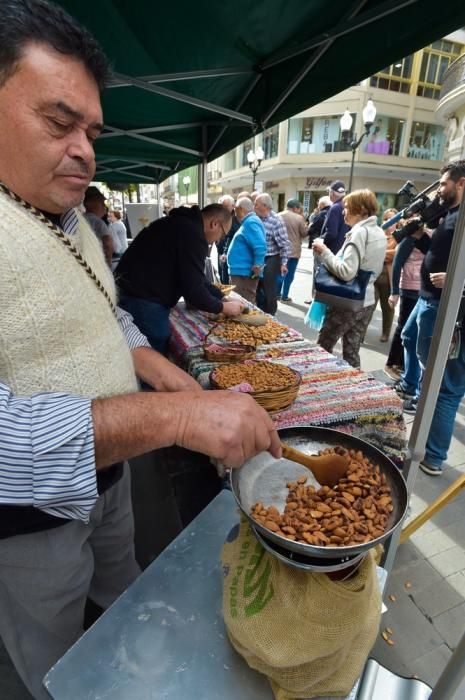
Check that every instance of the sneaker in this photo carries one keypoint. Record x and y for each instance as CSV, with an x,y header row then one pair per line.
x,y
402,392
308,301
410,406
383,339
430,469
392,372
286,300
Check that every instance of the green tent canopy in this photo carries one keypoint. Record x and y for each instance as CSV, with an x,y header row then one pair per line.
x,y
194,79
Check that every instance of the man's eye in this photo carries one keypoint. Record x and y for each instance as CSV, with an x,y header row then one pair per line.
x,y
59,126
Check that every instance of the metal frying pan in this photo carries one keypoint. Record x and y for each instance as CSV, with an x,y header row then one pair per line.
x,y
264,479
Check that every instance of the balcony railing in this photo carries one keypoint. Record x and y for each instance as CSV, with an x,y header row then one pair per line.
x,y
454,77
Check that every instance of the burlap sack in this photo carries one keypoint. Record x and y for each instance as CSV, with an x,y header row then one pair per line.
x,y
309,635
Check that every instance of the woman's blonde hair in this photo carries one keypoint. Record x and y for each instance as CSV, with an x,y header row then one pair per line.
x,y
361,203
391,213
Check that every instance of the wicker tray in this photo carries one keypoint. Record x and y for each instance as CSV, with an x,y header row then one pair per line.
x,y
275,399
230,351
225,289
228,354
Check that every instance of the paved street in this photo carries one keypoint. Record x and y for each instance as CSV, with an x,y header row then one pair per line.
x,y
427,617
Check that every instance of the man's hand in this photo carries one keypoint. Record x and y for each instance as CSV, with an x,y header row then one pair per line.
x,y
438,279
223,258
154,369
420,231
233,308
256,269
226,425
392,301
283,270
318,246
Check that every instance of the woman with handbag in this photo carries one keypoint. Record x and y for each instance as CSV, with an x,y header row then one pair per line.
x,y
356,265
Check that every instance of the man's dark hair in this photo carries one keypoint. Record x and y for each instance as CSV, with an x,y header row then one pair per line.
x,y
455,170
93,194
217,211
36,21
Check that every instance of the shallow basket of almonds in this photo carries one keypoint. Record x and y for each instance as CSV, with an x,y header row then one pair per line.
x,y
217,349
273,386
225,289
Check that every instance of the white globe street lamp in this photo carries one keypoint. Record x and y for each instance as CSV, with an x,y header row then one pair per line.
x,y
186,181
254,160
369,116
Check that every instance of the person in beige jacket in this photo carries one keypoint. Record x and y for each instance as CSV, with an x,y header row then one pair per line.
x,y
364,248
296,232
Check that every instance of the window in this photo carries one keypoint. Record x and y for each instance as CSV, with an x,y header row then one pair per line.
x,y
396,77
230,160
246,147
316,135
426,141
385,138
269,141
434,63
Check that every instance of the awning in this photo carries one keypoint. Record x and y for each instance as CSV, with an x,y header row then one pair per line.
x,y
195,79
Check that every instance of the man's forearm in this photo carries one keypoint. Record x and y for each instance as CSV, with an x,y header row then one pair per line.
x,y
130,425
161,374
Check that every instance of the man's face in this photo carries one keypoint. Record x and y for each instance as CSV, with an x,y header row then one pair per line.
x,y
215,229
240,213
450,192
228,205
50,115
332,196
260,209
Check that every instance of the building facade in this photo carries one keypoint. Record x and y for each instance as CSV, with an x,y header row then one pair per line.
x,y
409,140
451,109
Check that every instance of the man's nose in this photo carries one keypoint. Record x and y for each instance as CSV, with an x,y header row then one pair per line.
x,y
80,147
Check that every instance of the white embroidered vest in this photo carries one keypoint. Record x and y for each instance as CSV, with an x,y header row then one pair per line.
x,y
57,330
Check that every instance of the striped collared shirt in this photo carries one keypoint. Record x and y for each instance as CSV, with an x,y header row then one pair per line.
x,y
277,240
47,456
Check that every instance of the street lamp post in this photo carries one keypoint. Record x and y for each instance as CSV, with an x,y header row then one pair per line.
x,y
369,114
254,160
186,181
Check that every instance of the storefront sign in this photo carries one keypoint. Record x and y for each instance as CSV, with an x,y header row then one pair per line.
x,y
317,183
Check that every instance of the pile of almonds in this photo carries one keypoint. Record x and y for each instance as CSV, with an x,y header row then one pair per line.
x,y
354,511
260,374
257,335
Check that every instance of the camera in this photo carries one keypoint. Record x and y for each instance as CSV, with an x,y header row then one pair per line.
x,y
421,207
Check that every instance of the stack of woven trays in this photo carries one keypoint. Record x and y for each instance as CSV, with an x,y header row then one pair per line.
x,y
272,385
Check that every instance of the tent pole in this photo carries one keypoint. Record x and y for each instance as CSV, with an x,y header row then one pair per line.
x,y
437,358
202,170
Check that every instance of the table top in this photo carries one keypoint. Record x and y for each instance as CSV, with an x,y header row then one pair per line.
x,y
165,638
332,393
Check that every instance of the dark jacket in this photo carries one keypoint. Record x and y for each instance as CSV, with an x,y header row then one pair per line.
x,y
437,250
335,228
166,261
316,224
223,244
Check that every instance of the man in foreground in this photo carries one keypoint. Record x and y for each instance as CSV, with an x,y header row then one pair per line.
x,y
70,409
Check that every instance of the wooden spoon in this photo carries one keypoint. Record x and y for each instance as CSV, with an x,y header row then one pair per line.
x,y
327,469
